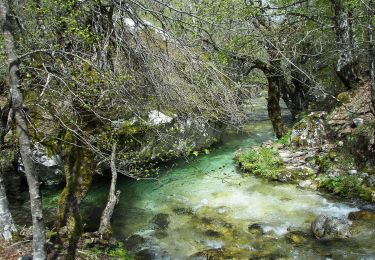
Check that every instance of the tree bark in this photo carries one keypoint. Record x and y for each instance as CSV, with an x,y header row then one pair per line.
x,y
39,250
78,165
113,198
274,110
346,63
7,227
371,50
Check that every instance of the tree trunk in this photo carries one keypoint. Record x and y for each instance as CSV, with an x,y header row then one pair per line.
x,y
7,227
78,165
346,63
274,110
293,93
371,50
2,128
113,198
39,250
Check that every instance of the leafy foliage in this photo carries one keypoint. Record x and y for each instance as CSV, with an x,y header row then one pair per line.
x,y
264,161
346,186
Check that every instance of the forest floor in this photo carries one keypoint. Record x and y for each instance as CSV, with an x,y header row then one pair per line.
x,y
16,250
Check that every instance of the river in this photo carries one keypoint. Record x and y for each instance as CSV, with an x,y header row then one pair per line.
x,y
204,206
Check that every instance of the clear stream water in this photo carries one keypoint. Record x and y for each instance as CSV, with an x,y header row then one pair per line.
x,y
210,205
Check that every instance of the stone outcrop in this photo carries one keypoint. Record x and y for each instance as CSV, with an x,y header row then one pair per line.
x,y
326,228
310,131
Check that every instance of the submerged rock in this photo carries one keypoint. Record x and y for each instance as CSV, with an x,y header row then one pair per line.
x,y
212,233
255,228
161,234
161,221
326,228
296,237
145,254
134,242
183,211
362,215
267,256
214,253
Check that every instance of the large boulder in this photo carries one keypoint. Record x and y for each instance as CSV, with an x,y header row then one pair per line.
x,y
310,131
160,137
327,227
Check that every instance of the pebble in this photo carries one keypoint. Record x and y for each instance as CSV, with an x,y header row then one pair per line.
x,y
358,121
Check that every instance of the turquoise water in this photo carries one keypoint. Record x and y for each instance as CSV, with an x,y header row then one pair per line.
x,y
209,206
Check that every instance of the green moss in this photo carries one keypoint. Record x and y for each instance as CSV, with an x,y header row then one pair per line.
x,y
285,140
113,252
129,128
344,97
302,115
346,186
264,162
335,160
300,126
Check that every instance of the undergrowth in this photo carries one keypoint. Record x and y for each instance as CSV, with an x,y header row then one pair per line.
x,y
116,252
265,162
346,186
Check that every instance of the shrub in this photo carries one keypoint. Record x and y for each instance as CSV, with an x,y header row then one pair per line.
x,y
265,162
346,186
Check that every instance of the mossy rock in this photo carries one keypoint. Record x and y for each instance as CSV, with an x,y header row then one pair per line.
x,y
161,221
296,237
310,131
362,215
215,253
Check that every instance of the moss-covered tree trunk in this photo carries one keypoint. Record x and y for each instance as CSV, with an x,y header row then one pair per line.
x,y
78,167
274,109
294,92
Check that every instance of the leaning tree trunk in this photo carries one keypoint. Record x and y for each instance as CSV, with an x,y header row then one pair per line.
x,y
39,250
113,198
78,175
7,227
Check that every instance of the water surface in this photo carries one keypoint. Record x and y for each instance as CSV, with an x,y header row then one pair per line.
x,y
210,205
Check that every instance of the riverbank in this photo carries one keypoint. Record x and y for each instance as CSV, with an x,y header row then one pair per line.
x,y
323,151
